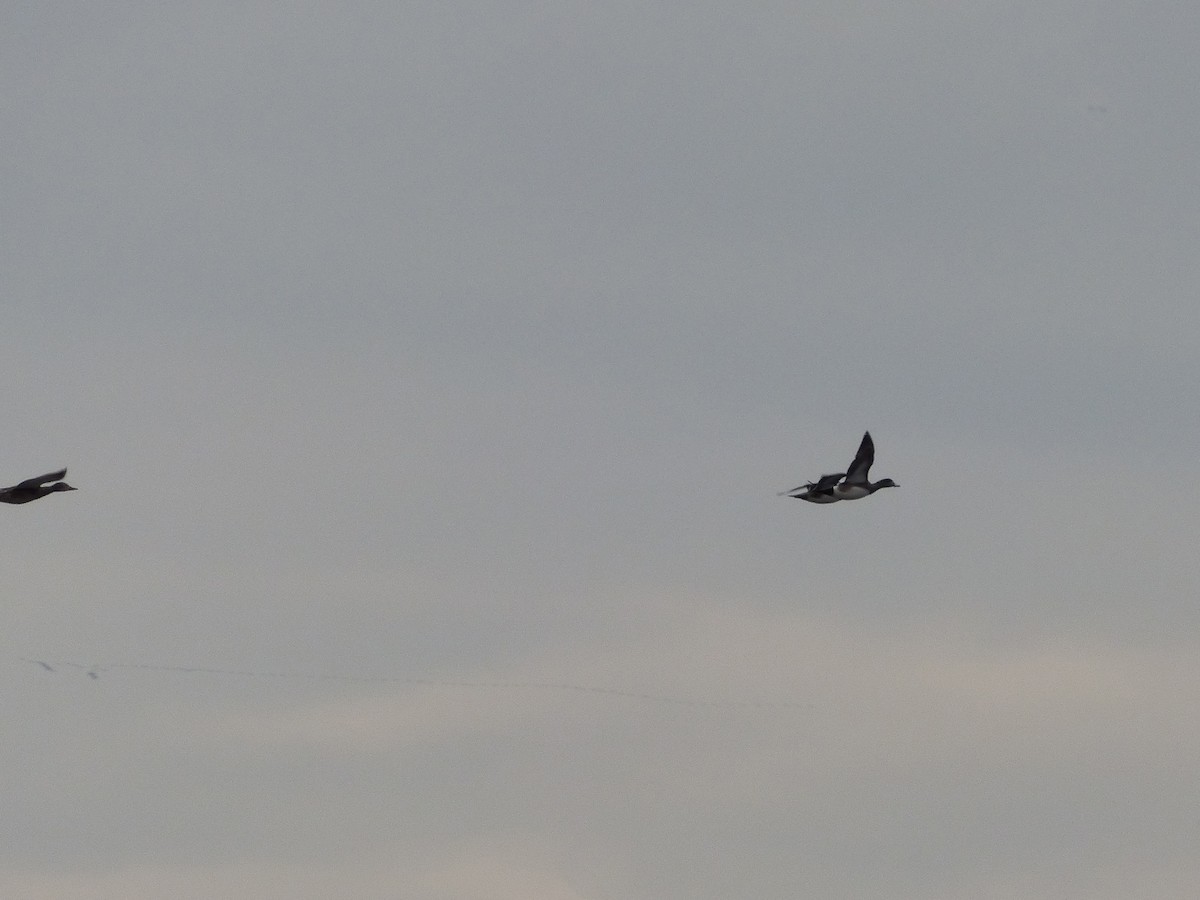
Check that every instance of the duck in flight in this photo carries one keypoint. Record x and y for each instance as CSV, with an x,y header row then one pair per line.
x,y
33,488
854,484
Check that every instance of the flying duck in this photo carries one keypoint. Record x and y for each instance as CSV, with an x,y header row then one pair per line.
x,y
857,483
33,488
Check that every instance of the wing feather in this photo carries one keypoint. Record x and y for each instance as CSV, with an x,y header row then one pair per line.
x,y
43,479
859,469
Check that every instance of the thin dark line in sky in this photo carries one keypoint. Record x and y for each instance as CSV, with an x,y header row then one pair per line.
x,y
94,670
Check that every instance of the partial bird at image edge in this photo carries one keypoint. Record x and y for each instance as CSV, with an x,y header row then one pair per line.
x,y
35,488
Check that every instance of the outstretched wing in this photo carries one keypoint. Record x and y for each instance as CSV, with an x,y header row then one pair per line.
x,y
857,473
822,483
827,481
43,479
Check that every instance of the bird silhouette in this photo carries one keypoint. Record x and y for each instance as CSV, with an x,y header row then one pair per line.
x,y
33,488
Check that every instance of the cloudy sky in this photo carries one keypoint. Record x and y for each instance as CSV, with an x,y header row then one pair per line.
x,y
428,372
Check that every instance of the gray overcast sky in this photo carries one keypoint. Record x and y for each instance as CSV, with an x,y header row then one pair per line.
x,y
428,372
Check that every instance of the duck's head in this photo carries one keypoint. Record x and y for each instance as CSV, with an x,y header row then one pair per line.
x,y
62,486
885,482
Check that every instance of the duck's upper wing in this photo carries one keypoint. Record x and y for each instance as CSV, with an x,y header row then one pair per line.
x,y
857,473
43,479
